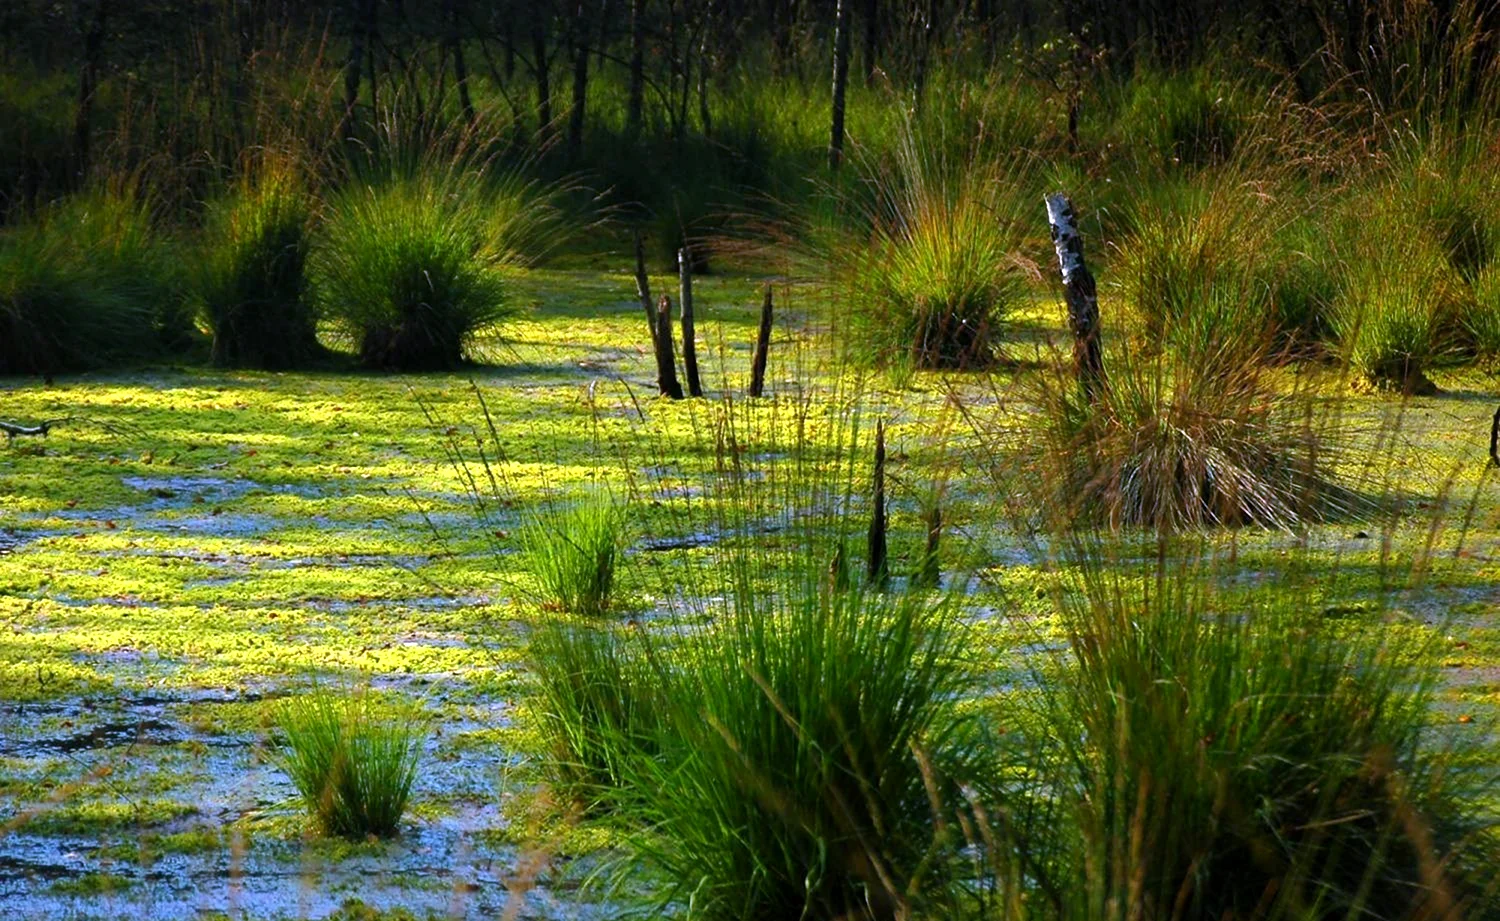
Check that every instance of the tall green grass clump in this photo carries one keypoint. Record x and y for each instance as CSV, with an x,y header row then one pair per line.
x,y
1225,753
1482,322
1399,305
410,269
597,709
253,287
1193,118
802,757
931,269
572,551
88,283
1198,267
353,759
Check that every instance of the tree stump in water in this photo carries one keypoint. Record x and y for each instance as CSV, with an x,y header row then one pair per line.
x,y
666,358
762,347
1080,293
689,341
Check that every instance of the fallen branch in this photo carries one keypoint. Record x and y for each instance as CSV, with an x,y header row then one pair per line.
x,y
40,430
14,430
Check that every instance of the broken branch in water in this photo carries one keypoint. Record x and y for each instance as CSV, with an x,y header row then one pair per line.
x,y
15,430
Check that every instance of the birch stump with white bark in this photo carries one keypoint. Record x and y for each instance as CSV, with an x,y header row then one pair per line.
x,y
1080,293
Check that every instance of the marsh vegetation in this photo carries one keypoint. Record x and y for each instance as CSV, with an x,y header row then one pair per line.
x,y
344,538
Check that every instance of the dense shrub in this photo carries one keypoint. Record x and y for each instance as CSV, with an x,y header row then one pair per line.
x,y
252,286
1191,118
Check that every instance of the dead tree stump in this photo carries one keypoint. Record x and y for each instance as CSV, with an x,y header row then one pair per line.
x,y
643,287
762,347
929,574
878,568
1495,439
1080,293
666,357
689,340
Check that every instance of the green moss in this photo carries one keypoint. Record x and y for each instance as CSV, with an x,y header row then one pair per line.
x,y
91,885
97,818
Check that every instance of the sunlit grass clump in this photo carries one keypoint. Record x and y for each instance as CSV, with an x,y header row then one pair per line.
x,y
353,759
801,758
573,550
253,281
1398,308
411,269
596,708
1197,269
932,269
88,283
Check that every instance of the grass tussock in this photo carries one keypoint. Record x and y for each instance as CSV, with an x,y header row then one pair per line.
x,y
353,759
933,269
572,551
1398,306
1173,444
597,709
88,283
801,749
253,283
1227,754
1198,270
411,269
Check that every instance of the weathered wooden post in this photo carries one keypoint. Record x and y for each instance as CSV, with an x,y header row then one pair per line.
x,y
878,569
666,357
1080,293
689,340
762,347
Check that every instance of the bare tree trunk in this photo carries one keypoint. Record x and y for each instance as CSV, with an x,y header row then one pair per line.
x,y
878,569
1495,439
353,68
643,286
636,98
542,67
689,334
371,27
929,573
840,83
924,50
872,40
1080,293
666,358
580,82
460,68
88,84
704,118
762,348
